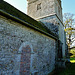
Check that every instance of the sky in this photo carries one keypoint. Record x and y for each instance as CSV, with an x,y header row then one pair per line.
x,y
68,6
19,4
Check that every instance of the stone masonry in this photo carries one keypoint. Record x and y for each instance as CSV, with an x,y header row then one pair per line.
x,y
24,51
30,47
49,12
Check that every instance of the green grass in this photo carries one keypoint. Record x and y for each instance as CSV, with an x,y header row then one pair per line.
x,y
69,70
72,58
70,67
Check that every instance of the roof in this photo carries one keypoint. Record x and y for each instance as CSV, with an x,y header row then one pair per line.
x,y
10,11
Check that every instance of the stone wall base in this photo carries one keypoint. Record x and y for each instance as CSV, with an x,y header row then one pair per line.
x,y
60,64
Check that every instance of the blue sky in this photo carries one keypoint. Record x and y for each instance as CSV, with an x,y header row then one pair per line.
x,y
19,4
67,5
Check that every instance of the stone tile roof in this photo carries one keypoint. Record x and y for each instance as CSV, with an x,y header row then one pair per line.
x,y
10,11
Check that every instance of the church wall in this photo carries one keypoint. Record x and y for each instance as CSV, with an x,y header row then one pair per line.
x,y
24,51
55,25
62,37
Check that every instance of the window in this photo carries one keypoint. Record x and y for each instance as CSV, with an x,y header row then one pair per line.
x,y
39,6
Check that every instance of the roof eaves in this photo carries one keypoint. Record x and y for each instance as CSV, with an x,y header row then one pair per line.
x,y
26,24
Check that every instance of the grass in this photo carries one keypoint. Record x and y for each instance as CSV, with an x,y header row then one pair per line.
x,y
72,58
69,70
70,67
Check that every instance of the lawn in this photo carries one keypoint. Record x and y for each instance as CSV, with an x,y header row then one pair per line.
x,y
69,70
70,67
72,58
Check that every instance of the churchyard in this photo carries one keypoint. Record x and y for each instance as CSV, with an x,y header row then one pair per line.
x,y
70,67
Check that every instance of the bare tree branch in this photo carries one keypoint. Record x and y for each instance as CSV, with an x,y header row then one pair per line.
x,y
69,27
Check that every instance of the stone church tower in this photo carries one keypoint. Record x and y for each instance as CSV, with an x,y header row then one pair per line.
x,y
49,12
42,8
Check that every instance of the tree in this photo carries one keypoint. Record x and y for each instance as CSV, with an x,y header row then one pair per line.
x,y
69,27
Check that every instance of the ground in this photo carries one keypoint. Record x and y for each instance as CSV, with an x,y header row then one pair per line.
x,y
70,67
72,58
69,70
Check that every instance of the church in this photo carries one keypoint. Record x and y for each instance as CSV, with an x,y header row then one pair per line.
x,y
32,44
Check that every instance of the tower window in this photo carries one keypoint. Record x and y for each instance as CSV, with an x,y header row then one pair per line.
x,y
39,6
